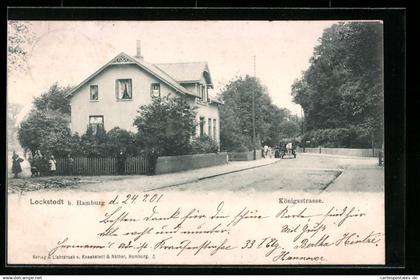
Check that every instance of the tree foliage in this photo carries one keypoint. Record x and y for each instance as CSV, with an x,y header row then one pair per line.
x,y
121,139
288,129
94,143
54,99
342,88
46,128
47,131
19,39
283,125
236,125
102,144
203,145
167,125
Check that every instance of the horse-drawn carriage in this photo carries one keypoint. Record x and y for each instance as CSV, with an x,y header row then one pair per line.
x,y
286,148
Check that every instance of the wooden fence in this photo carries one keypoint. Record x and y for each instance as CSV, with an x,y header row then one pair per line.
x,y
136,165
100,166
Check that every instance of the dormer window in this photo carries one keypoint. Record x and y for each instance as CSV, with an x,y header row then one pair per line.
x,y
155,90
123,89
94,94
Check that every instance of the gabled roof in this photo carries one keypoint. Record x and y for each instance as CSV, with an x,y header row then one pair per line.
x,y
124,58
186,71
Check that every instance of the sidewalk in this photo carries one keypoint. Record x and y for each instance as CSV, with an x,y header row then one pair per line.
x,y
337,156
149,183
366,179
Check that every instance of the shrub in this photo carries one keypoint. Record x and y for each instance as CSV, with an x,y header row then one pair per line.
x,y
121,139
46,131
94,144
203,145
351,137
167,125
103,144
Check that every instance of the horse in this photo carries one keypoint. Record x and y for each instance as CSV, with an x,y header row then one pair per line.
x,y
289,150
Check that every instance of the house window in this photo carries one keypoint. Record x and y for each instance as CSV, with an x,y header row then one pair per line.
x,y
203,93
94,92
214,130
209,127
123,89
201,126
155,90
96,122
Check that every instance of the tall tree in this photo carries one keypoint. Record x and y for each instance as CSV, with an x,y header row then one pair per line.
x,y
47,126
166,124
236,124
47,131
236,115
54,99
343,86
283,125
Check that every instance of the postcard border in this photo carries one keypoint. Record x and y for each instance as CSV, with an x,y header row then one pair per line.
x,y
394,82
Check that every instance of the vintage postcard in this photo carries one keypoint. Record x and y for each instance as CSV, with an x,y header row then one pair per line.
x,y
195,142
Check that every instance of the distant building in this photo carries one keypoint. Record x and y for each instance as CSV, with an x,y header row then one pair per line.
x,y
111,96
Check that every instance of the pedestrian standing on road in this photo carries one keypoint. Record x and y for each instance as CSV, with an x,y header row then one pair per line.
x,y
284,150
31,160
277,152
52,165
16,168
152,157
70,165
265,151
36,164
43,164
121,159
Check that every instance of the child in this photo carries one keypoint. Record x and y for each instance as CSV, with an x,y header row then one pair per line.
x,y
53,165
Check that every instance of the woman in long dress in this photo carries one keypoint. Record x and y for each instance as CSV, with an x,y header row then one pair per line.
x,y
16,168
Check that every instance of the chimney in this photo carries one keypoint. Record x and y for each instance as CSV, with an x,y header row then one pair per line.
x,y
138,50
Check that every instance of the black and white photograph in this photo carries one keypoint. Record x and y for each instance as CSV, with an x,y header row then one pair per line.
x,y
196,142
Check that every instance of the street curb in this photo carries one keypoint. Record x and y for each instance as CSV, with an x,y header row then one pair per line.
x,y
210,176
234,171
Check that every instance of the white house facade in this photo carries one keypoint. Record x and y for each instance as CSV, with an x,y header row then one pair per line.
x,y
112,95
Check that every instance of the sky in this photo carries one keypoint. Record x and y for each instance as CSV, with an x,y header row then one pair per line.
x,y
67,52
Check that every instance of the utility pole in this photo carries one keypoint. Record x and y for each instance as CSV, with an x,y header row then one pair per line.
x,y
253,115
255,69
302,116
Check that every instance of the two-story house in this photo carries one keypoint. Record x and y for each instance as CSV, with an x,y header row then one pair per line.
x,y
111,96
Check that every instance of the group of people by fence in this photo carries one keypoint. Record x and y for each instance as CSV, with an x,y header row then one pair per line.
x,y
41,165
46,165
